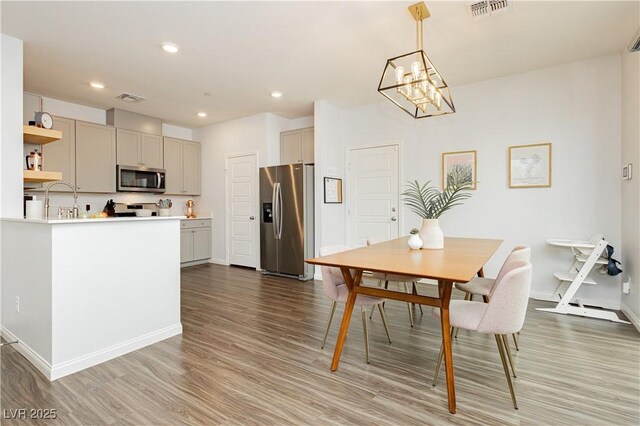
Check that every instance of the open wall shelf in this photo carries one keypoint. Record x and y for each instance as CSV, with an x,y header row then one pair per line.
x,y
40,136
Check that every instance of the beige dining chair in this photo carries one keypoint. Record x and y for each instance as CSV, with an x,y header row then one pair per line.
x,y
484,286
395,278
504,313
336,289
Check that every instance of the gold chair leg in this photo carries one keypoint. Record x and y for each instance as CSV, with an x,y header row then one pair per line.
x,y
326,332
515,341
406,290
507,349
366,334
501,350
384,320
373,308
438,364
440,358
415,291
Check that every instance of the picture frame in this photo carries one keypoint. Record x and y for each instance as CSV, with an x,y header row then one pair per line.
x,y
530,166
332,190
450,159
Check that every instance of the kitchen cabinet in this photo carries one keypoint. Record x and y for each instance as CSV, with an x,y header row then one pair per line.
x,y
61,156
182,161
296,146
195,241
95,158
139,149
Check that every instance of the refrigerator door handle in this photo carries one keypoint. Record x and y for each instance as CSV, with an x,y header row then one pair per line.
x,y
279,212
274,211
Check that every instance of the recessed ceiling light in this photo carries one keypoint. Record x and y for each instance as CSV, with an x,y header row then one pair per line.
x,y
96,85
202,114
276,94
170,47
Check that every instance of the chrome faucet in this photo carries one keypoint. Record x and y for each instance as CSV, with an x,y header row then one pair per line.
x,y
76,213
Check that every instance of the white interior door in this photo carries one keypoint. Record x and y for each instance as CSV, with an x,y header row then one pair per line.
x,y
373,199
242,210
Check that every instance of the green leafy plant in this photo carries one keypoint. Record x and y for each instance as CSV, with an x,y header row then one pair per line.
x,y
429,203
414,231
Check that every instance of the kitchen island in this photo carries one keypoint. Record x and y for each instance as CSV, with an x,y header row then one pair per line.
x,y
79,292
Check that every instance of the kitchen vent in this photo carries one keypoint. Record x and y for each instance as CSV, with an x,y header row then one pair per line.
x,y
634,46
130,98
487,8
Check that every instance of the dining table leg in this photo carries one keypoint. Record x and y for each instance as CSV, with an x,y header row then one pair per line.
x,y
444,290
352,282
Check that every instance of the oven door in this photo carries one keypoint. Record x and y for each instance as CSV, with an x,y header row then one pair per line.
x,y
140,179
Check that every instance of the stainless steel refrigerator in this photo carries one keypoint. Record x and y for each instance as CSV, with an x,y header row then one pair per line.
x,y
286,225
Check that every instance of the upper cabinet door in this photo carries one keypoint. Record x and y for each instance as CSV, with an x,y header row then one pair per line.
x,y
128,147
191,167
151,147
290,147
173,166
61,155
307,146
95,157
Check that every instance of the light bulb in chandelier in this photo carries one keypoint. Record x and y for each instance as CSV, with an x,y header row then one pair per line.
x,y
399,75
415,70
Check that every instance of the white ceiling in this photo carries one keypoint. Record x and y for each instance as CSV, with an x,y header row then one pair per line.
x,y
241,51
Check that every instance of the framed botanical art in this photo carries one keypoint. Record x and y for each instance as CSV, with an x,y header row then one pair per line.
x,y
461,160
530,166
332,190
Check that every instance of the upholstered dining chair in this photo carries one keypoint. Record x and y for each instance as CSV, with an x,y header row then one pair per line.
x,y
336,289
395,278
504,313
484,286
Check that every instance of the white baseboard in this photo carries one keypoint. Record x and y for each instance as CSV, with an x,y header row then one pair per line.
x,y
32,356
601,303
80,363
630,315
219,262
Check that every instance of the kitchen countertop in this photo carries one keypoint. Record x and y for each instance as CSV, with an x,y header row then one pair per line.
x,y
100,220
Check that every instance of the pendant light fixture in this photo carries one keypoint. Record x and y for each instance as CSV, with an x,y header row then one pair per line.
x,y
412,82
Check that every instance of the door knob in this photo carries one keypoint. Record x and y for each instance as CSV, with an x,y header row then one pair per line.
x,y
393,219
251,217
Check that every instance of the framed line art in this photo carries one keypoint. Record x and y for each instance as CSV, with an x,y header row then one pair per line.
x,y
530,166
451,160
332,190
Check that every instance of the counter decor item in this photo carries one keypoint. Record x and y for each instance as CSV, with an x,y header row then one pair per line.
x,y
35,209
164,206
429,203
110,208
191,214
415,242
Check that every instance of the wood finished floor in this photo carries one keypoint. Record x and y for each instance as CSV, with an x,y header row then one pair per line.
x,y
250,354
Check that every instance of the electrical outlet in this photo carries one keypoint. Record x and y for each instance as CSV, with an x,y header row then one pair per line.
x,y
626,285
17,304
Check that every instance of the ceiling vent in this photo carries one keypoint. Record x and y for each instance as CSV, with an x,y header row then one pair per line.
x,y
487,8
634,46
130,97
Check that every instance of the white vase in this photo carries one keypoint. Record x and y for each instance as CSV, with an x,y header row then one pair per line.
x,y
164,212
415,242
431,234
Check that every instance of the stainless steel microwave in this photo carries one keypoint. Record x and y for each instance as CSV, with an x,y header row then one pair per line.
x,y
140,179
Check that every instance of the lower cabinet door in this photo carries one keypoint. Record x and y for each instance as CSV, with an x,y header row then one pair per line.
x,y
201,243
186,245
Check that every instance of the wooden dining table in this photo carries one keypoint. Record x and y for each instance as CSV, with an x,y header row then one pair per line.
x,y
459,261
